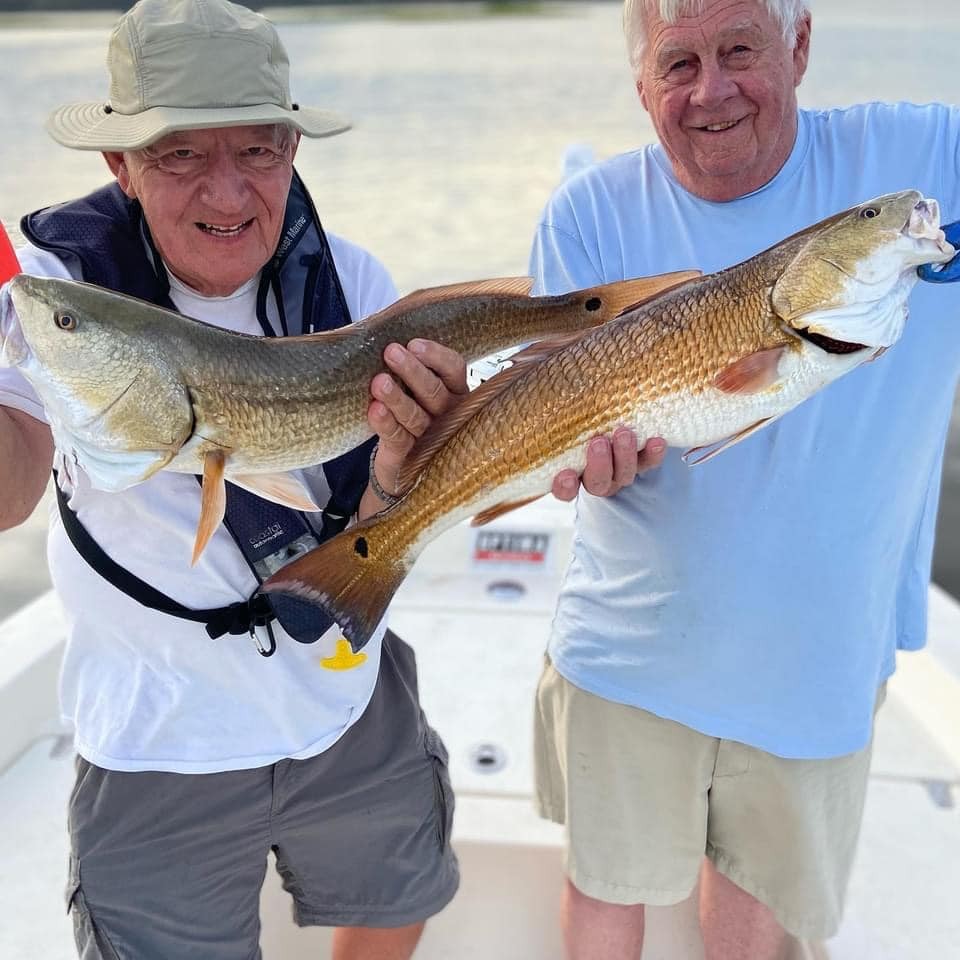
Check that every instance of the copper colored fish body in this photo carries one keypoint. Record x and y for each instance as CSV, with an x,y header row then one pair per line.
x,y
131,389
702,365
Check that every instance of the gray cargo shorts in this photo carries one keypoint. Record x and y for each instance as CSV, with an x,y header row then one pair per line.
x,y
168,866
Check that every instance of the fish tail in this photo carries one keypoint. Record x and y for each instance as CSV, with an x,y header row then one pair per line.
x,y
353,577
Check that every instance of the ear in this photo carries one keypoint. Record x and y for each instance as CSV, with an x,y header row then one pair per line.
x,y
642,95
801,51
118,167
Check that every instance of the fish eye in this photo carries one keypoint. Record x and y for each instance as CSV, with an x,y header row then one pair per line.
x,y
64,321
868,213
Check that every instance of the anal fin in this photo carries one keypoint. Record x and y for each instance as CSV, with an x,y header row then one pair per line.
x,y
712,449
499,509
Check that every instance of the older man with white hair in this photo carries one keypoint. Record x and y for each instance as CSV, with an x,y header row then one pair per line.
x,y
724,634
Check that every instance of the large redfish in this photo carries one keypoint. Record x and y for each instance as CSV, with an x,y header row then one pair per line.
x,y
130,388
703,366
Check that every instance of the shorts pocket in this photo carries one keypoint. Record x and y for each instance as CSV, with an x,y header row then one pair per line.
x,y
442,788
92,943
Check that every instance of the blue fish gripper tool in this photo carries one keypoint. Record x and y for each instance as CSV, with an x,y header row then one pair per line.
x,y
949,272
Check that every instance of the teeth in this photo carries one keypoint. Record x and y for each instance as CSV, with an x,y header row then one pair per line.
x,y
715,127
223,231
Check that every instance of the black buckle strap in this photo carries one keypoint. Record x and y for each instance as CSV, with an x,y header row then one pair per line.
x,y
241,617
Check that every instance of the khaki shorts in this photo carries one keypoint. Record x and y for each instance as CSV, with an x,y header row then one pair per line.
x,y
644,799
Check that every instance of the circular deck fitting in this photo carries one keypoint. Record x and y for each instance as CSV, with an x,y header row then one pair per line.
x,y
506,589
487,758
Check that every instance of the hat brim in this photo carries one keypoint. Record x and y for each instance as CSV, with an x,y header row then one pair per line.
x,y
91,126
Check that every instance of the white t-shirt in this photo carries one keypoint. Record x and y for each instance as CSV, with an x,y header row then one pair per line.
x,y
148,691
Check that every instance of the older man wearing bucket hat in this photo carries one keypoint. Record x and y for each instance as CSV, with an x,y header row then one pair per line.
x,y
197,758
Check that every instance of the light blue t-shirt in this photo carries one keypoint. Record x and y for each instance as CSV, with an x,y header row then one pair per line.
x,y
761,596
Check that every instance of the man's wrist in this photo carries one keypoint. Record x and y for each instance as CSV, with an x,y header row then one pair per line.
x,y
385,496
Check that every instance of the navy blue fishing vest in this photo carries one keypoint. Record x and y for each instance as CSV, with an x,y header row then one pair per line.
x,y
103,238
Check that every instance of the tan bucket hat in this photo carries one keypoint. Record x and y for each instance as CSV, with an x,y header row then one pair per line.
x,y
187,65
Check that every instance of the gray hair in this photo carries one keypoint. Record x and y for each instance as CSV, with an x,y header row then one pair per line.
x,y
787,13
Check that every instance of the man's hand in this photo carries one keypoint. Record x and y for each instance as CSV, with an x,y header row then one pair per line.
x,y
612,464
950,271
425,379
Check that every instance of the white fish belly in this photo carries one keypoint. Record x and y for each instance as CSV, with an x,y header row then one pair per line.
x,y
683,418
520,486
690,419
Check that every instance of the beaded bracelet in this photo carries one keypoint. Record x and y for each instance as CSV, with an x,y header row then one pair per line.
x,y
388,498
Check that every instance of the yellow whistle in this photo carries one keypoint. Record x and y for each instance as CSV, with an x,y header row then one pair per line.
x,y
344,658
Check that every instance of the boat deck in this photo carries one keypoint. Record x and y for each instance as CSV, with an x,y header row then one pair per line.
x,y
479,630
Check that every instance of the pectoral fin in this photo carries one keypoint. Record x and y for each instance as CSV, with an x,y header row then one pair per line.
x,y
213,501
283,488
712,449
752,373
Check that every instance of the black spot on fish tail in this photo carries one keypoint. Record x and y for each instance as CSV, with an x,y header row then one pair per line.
x,y
360,546
593,303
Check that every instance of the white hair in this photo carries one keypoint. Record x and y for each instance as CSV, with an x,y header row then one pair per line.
x,y
787,14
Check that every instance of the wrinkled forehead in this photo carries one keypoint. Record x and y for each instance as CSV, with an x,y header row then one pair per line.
x,y
669,39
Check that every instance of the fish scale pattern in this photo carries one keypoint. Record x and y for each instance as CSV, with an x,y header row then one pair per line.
x,y
611,375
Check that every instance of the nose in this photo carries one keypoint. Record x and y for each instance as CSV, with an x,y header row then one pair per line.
x,y
224,186
713,85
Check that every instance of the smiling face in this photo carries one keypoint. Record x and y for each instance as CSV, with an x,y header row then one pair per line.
x,y
720,88
214,200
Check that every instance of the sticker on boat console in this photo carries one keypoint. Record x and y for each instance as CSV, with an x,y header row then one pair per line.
x,y
511,546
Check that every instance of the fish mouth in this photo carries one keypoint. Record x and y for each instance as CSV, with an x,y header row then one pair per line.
x,y
828,344
924,224
924,221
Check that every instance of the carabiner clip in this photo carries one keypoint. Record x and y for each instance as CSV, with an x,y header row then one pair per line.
x,y
261,649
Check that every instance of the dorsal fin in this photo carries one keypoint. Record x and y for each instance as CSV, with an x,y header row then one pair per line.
x,y
500,287
445,426
542,349
659,285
